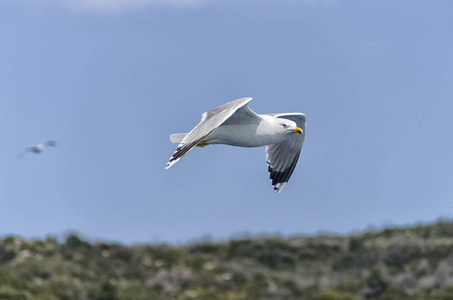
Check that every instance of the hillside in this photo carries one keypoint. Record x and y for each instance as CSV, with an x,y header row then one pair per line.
x,y
395,263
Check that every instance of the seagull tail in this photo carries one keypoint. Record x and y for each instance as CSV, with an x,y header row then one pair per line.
x,y
177,137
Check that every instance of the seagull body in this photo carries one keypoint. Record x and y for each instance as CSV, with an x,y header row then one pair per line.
x,y
235,124
38,148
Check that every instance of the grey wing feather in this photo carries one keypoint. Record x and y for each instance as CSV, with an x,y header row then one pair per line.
x,y
50,143
27,150
22,154
282,157
244,115
210,121
281,163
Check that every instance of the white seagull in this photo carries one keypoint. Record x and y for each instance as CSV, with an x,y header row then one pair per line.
x,y
38,148
235,124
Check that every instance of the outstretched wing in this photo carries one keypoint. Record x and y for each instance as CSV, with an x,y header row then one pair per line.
x,y
22,154
50,143
210,120
34,149
282,157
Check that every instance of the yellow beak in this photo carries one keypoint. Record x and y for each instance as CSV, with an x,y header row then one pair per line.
x,y
298,130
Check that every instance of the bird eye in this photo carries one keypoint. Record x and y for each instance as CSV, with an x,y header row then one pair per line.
x,y
284,125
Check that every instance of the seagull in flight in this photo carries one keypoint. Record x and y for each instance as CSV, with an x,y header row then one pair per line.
x,y
38,148
235,124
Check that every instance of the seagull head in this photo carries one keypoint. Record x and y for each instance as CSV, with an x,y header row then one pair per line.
x,y
290,126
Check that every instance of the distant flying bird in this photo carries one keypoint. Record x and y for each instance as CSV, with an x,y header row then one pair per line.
x,y
234,123
38,148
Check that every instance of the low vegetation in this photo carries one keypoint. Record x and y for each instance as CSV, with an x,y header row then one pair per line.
x,y
395,263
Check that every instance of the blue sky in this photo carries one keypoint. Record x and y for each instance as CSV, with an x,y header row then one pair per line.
x,y
110,81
